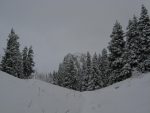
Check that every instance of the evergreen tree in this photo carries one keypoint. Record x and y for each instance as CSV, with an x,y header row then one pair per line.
x,y
72,74
83,78
67,73
87,74
12,59
117,43
54,78
126,71
144,35
25,62
89,79
104,67
116,48
132,43
59,79
30,61
97,77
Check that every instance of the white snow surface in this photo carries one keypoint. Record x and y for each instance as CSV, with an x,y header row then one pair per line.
x,y
34,96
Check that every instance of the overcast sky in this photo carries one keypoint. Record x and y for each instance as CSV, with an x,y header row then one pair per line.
x,y
57,27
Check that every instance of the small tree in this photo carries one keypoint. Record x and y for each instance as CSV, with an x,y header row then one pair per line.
x,y
28,62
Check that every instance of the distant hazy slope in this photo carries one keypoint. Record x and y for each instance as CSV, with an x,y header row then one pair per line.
x,y
33,96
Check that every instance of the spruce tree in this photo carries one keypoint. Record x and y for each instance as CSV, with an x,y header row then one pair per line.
x,y
97,76
83,76
31,62
132,43
28,63
12,59
117,43
144,35
104,67
89,79
116,48
67,73
59,79
87,74
25,62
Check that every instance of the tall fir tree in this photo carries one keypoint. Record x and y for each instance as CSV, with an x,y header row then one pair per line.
x,y
116,48
83,76
12,59
67,73
132,43
25,62
72,74
87,74
97,76
89,79
144,35
104,67
117,43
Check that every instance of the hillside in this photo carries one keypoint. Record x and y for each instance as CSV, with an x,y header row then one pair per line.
x,y
33,96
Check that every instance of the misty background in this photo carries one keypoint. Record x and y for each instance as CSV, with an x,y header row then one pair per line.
x,y
57,27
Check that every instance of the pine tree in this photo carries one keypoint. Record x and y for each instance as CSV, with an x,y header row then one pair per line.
x,y
116,48
54,78
144,35
83,77
12,59
67,73
30,61
25,62
132,43
97,77
104,67
126,71
89,79
87,74
72,74
117,43
59,79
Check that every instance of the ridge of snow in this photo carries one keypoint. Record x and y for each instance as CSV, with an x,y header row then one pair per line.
x,y
34,96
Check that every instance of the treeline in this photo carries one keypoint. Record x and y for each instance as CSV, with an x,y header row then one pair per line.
x,y
17,63
128,51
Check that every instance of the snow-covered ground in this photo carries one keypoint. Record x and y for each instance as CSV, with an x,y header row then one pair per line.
x,y
33,96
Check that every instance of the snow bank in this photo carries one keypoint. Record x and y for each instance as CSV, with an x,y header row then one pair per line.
x,y
33,96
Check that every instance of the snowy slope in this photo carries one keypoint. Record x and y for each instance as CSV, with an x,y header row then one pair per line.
x,y
129,96
33,96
